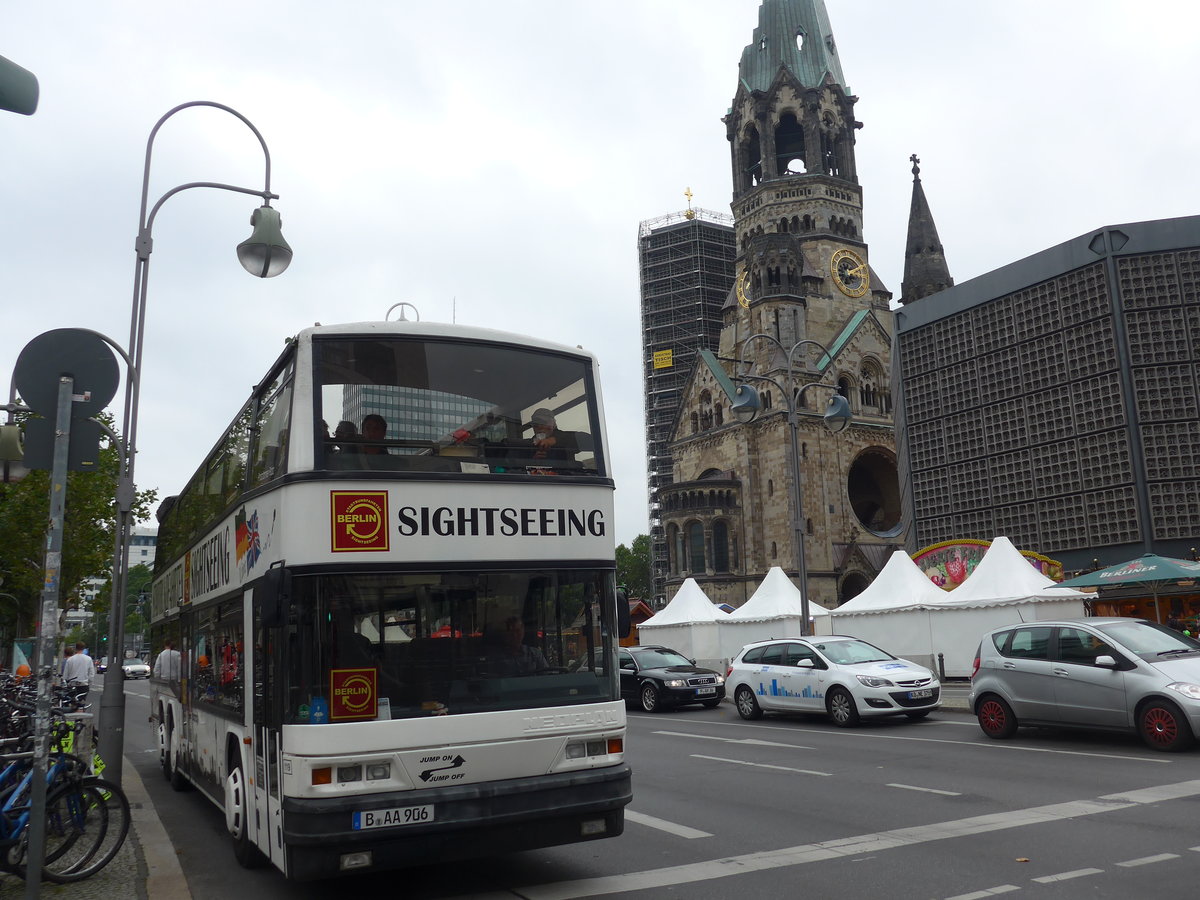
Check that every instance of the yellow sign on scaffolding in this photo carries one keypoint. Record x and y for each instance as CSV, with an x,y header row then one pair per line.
x,y
662,359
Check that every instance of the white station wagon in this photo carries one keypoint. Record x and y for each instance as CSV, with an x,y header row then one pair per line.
x,y
841,676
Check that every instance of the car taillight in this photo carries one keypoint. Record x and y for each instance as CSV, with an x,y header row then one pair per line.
x,y
729,671
975,664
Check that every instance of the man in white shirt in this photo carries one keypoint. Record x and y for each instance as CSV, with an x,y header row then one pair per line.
x,y
166,665
78,670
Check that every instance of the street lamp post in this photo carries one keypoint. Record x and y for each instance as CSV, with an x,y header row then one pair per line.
x,y
264,254
746,406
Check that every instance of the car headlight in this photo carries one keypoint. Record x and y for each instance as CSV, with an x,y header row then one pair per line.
x,y
720,679
874,681
675,683
1189,690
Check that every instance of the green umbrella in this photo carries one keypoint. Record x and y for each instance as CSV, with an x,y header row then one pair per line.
x,y
1150,571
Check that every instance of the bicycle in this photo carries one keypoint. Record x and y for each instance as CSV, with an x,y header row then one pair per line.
x,y
86,817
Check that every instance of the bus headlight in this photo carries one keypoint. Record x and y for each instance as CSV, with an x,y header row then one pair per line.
x,y
349,773
379,771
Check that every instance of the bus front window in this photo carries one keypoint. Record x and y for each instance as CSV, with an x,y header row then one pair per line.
x,y
420,405
405,645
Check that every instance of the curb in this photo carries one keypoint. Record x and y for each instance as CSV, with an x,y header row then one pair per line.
x,y
164,875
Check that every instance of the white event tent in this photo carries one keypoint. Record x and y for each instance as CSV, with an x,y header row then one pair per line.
x,y
894,611
687,624
1004,589
773,611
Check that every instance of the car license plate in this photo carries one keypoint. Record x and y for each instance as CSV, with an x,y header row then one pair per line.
x,y
386,818
707,690
918,695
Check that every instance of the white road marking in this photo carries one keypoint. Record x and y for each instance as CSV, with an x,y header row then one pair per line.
x,y
987,892
663,825
1067,876
912,787
842,848
751,741
1147,860
742,762
990,745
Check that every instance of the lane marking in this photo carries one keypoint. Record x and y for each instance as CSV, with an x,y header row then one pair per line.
x,y
742,762
753,742
1067,876
840,848
912,787
990,745
663,825
1147,860
987,892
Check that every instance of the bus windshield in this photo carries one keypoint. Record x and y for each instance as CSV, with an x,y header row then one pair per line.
x,y
446,643
419,404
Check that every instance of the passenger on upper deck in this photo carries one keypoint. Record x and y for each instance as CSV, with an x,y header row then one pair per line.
x,y
548,441
374,432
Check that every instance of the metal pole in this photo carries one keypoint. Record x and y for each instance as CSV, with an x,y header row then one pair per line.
x,y
47,632
797,515
111,743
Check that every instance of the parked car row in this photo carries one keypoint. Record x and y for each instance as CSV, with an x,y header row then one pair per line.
x,y
1117,674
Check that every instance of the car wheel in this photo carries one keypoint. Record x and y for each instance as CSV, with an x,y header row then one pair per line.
x,y
747,705
649,695
711,704
841,708
918,713
1163,727
996,717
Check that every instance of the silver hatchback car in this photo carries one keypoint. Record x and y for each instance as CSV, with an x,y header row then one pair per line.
x,y
1120,674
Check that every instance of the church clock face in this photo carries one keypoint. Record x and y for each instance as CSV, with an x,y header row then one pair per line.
x,y
849,273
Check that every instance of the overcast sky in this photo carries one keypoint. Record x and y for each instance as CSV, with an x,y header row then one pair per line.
x,y
491,160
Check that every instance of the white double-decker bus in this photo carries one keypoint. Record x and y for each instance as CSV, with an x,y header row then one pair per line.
x,y
388,606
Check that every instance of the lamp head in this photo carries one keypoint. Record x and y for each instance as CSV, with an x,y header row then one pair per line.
x,y
745,404
265,253
837,414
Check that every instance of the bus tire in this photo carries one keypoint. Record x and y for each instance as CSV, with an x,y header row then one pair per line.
x,y
236,813
171,766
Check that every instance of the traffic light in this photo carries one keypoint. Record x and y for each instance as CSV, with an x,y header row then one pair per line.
x,y
18,88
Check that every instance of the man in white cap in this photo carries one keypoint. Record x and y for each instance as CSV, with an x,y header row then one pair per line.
x,y
548,441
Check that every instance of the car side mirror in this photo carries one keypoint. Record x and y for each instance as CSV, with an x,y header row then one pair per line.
x,y
1105,662
804,664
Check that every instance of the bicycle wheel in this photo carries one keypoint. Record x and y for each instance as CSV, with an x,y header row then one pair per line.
x,y
86,825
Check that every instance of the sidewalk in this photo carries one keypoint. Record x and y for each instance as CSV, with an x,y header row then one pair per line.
x,y
145,868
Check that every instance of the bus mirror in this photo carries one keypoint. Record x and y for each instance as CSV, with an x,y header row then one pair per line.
x,y
623,625
271,596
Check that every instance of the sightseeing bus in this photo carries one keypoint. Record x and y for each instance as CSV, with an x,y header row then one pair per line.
x,y
384,612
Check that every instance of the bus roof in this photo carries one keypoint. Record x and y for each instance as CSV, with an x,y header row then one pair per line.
x,y
443,329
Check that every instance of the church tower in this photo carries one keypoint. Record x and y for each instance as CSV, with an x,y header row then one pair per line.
x,y
802,274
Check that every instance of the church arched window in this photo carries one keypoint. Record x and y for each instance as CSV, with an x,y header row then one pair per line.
x,y
696,548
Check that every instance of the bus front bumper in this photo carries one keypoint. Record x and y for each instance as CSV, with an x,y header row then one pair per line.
x,y
468,821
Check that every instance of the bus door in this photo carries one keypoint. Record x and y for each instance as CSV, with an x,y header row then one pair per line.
x,y
270,601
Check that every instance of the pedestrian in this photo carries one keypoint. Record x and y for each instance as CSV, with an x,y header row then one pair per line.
x,y
166,665
77,672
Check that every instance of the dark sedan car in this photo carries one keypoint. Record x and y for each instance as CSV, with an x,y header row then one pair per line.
x,y
659,678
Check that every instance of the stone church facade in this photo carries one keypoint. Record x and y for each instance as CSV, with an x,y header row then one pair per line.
x,y
803,280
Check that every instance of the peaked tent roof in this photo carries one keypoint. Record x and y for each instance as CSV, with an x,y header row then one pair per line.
x,y
687,607
899,585
1005,575
776,598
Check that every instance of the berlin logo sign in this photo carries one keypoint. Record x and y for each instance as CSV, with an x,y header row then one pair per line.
x,y
358,520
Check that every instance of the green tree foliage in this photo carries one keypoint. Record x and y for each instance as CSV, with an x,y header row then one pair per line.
x,y
87,532
633,567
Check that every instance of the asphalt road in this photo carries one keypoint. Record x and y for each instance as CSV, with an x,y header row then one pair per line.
x,y
794,807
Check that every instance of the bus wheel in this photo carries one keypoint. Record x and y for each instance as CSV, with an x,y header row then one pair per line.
x,y
171,765
236,811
